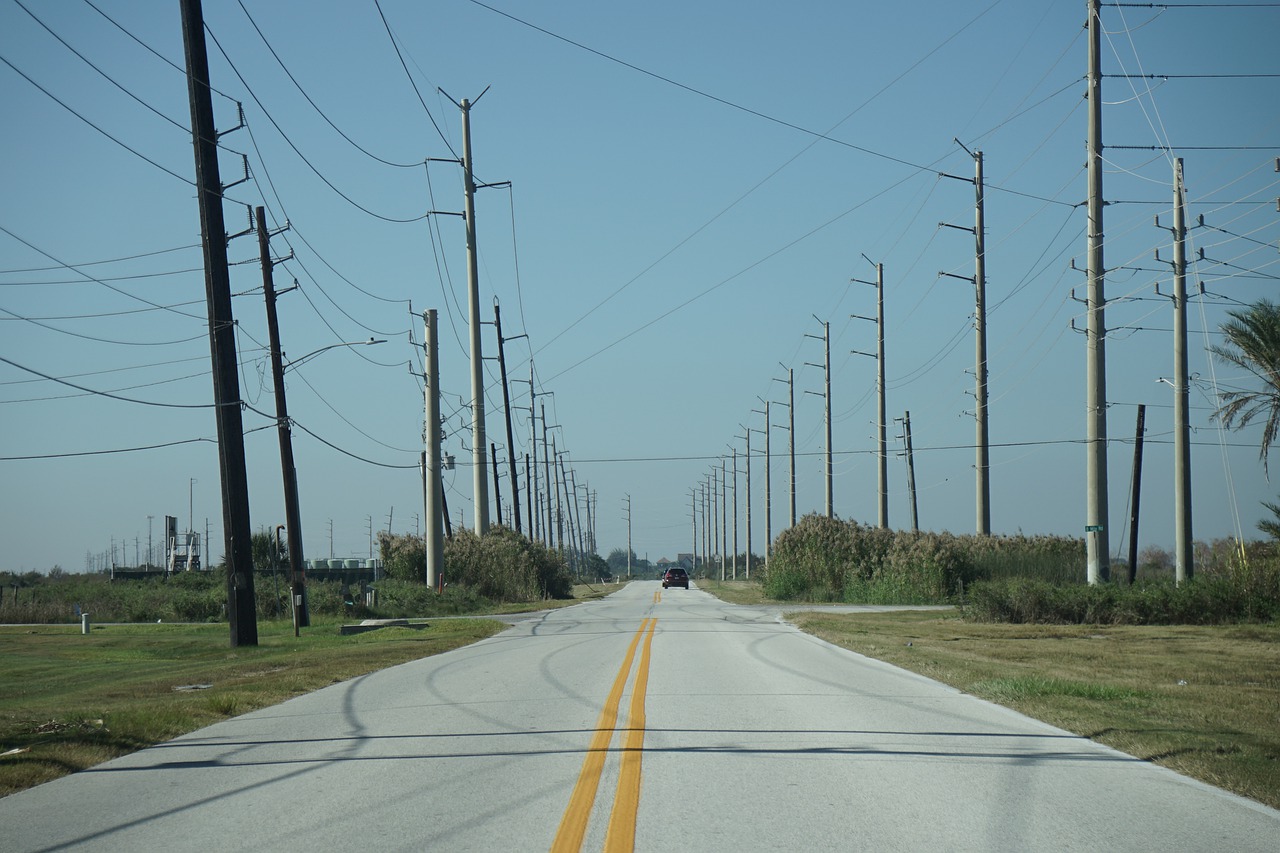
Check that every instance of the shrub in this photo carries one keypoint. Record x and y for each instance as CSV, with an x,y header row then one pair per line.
x,y
924,567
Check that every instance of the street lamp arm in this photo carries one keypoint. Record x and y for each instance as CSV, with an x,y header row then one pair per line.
x,y
313,353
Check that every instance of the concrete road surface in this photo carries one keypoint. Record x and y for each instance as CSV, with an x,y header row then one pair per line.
x,y
652,720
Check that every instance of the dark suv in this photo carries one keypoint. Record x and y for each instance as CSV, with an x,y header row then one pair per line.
x,y
675,577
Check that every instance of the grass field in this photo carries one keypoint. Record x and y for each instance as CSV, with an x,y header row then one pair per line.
x,y
69,701
1201,700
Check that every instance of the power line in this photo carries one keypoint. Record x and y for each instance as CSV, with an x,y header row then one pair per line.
x,y
295,148
295,82
75,453
63,104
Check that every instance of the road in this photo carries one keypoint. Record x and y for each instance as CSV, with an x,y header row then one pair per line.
x,y
651,720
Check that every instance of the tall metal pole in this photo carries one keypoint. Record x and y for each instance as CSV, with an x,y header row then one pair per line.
x,y
1097,540
479,472
826,396
433,512
241,606
628,535
1184,567
715,517
983,462
292,512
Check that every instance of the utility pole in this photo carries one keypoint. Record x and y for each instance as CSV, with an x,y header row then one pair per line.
x,y
1136,497
628,535
1097,539
1184,567
747,431
791,434
881,420
292,510
546,464
433,511
715,516
735,513
506,407
241,606
535,509
695,507
826,395
768,487
724,512
911,472
982,464
479,479
497,491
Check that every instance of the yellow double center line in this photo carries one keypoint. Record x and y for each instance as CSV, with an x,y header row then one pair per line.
x,y
626,802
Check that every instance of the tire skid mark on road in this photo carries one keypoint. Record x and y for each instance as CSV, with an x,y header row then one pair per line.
x,y
573,826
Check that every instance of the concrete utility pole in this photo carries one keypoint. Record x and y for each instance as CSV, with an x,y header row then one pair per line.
x,y
535,508
1097,537
724,513
1184,567
715,516
479,479
547,455
768,486
826,395
628,535
292,511
791,434
747,432
432,485
241,606
693,518
735,514
881,420
982,464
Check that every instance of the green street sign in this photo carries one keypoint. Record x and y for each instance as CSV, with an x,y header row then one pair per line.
x,y
1093,528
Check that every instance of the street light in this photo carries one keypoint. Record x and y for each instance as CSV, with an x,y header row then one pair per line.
x,y
313,353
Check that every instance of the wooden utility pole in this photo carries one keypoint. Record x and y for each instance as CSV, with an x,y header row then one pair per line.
x,y
292,511
434,511
911,472
506,408
241,606
1136,497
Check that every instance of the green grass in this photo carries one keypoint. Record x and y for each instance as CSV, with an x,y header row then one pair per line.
x,y
1203,700
69,701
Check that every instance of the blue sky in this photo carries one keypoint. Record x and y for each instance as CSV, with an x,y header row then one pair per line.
x,y
693,185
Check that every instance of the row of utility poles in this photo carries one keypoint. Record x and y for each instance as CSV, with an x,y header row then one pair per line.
x,y
709,498
228,405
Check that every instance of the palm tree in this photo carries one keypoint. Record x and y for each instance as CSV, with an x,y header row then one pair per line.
x,y
1271,526
1253,343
